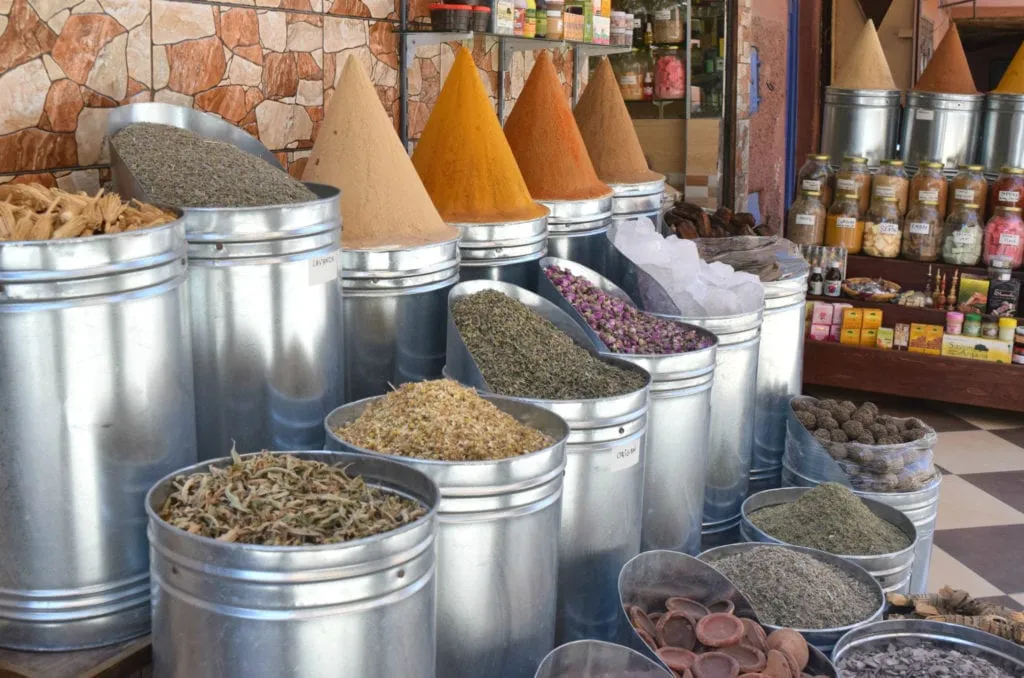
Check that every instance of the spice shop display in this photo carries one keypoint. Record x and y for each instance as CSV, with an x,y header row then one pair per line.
x,y
865,66
180,168
806,225
844,225
969,187
312,545
392,232
890,181
882,233
962,236
929,185
669,73
815,176
853,178
958,607
1004,238
1008,189
922,232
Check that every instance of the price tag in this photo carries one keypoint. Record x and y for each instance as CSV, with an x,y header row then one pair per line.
x,y
625,457
811,185
1011,239
964,195
925,114
920,227
928,196
805,220
887,228
324,268
846,222
1009,196
846,184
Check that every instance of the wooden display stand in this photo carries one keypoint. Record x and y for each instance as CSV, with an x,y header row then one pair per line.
x,y
130,659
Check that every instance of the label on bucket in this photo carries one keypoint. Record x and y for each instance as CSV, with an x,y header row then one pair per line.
x,y
625,457
324,268
925,114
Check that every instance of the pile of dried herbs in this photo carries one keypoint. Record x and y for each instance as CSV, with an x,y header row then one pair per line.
x,y
522,354
281,500
441,420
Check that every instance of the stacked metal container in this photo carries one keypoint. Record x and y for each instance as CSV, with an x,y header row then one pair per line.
x,y
503,251
941,127
860,122
578,230
632,201
1002,135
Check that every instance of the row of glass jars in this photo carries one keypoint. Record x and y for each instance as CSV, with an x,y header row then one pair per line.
x,y
644,75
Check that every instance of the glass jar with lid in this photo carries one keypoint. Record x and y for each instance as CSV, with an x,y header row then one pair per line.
x,y
669,74
816,175
844,225
929,185
1008,189
922,231
853,177
968,187
669,22
629,73
962,236
882,228
806,224
891,181
1004,238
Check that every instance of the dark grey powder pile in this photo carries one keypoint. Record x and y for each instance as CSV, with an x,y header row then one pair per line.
x,y
179,168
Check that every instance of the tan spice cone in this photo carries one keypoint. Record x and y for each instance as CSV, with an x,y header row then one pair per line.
x,y
383,201
608,131
546,141
948,71
1012,81
865,66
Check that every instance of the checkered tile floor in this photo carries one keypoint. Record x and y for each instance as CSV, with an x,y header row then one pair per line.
x,y
979,539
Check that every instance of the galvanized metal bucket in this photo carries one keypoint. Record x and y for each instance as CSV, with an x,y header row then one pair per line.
x,y
1002,136
359,608
97,404
910,633
632,201
891,570
677,430
604,478
944,128
780,367
597,659
823,639
653,576
395,304
921,507
579,230
503,251
860,122
497,547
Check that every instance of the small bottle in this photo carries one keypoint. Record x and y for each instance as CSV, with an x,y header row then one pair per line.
x,y
816,282
833,281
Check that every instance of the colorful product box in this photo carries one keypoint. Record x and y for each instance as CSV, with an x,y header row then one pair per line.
x,y
918,338
819,332
837,312
872,319
851,337
572,25
821,313
973,294
901,336
977,348
933,339
834,332
884,337
853,318
602,30
868,338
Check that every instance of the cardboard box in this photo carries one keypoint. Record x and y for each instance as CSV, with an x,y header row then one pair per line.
x,y
602,30
918,338
933,339
973,294
884,337
851,337
819,332
872,319
834,332
837,312
821,313
572,25
853,318
901,336
504,17
868,338
588,20
977,348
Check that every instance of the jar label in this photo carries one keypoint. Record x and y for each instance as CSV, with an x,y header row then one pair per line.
x,y
920,227
1012,239
846,184
805,219
628,80
1009,196
964,195
626,457
637,23
930,195
663,15
885,191
925,114
846,222
888,228
963,237
324,269
811,185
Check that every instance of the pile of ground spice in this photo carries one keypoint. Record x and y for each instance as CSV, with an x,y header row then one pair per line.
x,y
546,141
831,518
865,66
179,168
441,420
463,158
948,71
523,354
1012,81
608,131
384,204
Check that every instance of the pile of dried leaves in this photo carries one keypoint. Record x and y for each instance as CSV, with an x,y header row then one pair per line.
x,y
36,212
281,500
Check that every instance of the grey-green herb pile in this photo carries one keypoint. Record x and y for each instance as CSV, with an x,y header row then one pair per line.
x,y
789,588
180,168
522,354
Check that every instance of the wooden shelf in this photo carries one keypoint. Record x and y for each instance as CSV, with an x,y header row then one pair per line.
x,y
130,659
891,313
910,275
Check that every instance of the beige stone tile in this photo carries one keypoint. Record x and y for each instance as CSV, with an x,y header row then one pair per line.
x,y
977,452
961,504
945,570
1019,597
985,418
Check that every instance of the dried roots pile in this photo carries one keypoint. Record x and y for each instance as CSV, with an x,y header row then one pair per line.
x,y
958,607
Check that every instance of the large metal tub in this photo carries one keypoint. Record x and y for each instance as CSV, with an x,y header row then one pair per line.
x,y
780,367
604,478
507,252
632,201
860,122
359,608
942,128
578,231
675,468
921,507
823,639
891,570
1002,136
395,303
497,548
97,403
597,659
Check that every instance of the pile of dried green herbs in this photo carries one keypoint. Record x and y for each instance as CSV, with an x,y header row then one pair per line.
x,y
441,420
522,354
281,500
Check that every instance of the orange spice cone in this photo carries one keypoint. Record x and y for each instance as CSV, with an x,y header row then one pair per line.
x,y
547,143
865,66
948,72
463,157
608,131
383,202
1012,81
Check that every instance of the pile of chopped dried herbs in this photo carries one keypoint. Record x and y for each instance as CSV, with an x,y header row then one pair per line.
x,y
522,354
281,500
441,420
